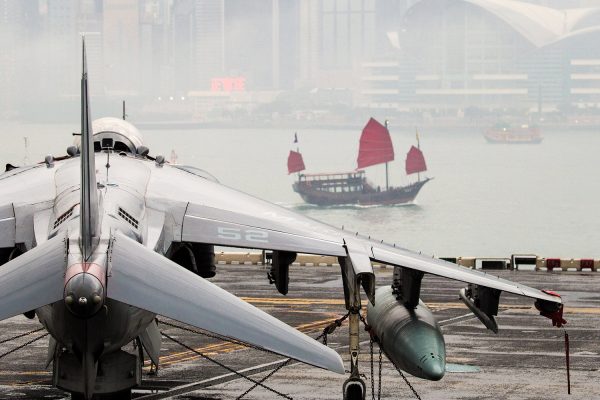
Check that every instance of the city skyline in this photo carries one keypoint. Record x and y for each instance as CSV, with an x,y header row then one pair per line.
x,y
193,58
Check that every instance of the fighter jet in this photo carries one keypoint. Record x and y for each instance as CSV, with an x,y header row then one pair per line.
x,y
100,242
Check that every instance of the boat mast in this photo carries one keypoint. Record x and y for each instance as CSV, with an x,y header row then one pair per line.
x,y
418,147
298,151
387,186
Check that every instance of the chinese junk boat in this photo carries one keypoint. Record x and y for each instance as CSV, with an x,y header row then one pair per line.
x,y
503,133
347,188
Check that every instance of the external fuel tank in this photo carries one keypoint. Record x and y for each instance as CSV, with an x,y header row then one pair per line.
x,y
411,338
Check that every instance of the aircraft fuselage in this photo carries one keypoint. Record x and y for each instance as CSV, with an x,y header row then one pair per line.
x,y
86,323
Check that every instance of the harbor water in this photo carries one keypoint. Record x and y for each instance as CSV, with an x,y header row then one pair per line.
x,y
485,199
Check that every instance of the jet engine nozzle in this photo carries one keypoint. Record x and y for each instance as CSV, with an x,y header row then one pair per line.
x,y
411,338
84,290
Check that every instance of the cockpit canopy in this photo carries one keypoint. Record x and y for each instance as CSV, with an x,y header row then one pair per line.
x,y
125,136
122,135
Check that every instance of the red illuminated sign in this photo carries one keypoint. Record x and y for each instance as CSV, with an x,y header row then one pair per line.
x,y
228,84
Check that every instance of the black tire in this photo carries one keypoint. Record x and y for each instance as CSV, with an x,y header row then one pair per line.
x,y
354,393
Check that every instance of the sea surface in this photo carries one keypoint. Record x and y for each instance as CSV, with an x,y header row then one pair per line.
x,y
486,200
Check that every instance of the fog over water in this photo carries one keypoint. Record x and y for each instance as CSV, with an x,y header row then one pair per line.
x,y
485,200
453,68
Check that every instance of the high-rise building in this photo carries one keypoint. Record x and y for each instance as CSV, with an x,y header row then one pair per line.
x,y
198,42
155,56
287,55
338,36
121,46
256,40
261,42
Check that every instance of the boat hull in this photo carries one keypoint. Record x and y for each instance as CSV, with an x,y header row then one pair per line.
x,y
525,140
393,196
514,136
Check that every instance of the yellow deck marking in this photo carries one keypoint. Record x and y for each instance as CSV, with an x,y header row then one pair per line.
x,y
226,347
25,373
222,348
291,301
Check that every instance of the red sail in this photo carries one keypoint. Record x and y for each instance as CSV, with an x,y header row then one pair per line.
x,y
375,145
295,162
415,162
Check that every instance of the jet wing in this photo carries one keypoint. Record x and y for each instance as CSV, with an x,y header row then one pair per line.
x,y
31,184
23,192
215,214
405,258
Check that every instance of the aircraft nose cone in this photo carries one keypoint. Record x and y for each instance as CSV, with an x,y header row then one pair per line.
x,y
83,295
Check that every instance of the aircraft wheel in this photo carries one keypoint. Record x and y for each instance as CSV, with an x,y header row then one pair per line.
x,y
355,393
354,389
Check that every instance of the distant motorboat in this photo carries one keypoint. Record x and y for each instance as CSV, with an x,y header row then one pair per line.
x,y
503,133
352,188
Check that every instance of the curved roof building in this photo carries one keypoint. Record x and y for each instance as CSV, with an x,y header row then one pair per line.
x,y
538,24
492,54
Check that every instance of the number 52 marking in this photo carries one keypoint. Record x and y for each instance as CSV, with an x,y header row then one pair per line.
x,y
250,235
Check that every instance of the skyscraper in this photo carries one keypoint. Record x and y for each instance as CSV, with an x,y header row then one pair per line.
x,y
121,38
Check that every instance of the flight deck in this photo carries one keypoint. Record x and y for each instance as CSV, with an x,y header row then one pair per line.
x,y
526,360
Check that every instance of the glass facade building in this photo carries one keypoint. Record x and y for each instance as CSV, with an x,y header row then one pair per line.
x,y
486,54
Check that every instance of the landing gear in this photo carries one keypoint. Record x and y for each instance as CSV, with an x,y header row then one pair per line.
x,y
354,387
116,374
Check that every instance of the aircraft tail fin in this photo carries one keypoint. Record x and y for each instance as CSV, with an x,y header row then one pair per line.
x,y
89,218
145,279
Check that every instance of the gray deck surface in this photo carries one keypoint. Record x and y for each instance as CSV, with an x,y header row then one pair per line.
x,y
524,361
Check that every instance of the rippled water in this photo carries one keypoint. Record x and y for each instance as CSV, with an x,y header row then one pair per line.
x,y
485,200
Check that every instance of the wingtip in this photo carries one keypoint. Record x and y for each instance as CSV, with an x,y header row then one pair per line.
x,y
552,309
339,366
553,296
333,362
